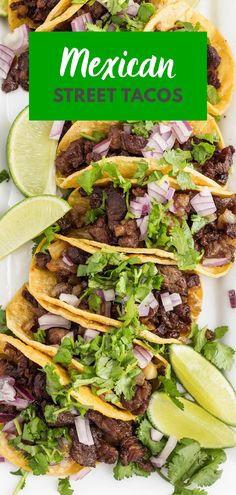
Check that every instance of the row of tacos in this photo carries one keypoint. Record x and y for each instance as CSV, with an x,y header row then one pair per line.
x,y
166,15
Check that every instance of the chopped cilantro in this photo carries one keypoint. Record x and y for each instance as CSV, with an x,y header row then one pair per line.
x,y
182,240
170,389
219,354
40,336
120,472
188,26
49,235
64,487
21,483
144,435
202,152
88,178
178,159
197,223
142,127
3,322
212,95
185,181
146,10
211,137
4,175
96,136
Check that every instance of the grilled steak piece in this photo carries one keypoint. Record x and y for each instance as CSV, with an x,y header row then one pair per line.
x,y
174,280
128,233
133,144
82,454
114,429
131,450
39,387
72,159
218,167
18,74
42,259
36,10
115,206
213,62
138,405
100,231
104,451
55,335
65,419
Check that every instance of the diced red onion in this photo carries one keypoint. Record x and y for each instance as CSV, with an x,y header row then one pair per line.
x,y
103,147
7,390
18,40
160,460
70,299
6,58
81,474
203,203
143,356
148,302
111,28
56,130
182,129
166,301
170,193
160,141
2,459
109,295
170,141
156,435
10,427
6,418
18,403
158,191
67,261
132,9
175,299
232,298
49,321
79,23
90,334
26,394
140,206
142,224
215,261
164,128
83,431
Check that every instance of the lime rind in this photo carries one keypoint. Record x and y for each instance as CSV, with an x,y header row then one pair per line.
x,y
191,422
27,219
31,155
205,383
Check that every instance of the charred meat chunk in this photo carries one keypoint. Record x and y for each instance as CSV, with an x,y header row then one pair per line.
x,y
139,404
96,197
133,144
75,255
131,450
115,136
39,387
18,74
97,10
36,10
182,204
42,259
128,233
193,280
31,299
100,231
174,280
55,335
115,430
218,167
72,159
115,206
104,451
213,62
65,419
80,453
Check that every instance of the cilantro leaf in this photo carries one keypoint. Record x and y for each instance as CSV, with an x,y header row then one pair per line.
x,y
211,137
118,180
40,336
186,491
144,435
197,223
88,178
212,95
210,473
141,127
95,136
178,159
53,385
185,181
181,461
21,483
64,487
202,152
120,472
221,331
170,389
38,463
188,26
182,240
49,235
146,10
221,355
4,175
3,322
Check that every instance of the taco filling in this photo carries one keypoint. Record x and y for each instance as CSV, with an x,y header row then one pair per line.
x,y
128,16
193,224
49,430
117,288
149,139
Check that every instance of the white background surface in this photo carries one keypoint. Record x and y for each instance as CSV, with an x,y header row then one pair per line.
x,y
216,308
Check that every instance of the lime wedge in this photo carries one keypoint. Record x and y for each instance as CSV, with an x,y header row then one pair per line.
x,y
28,219
31,155
3,8
204,382
191,422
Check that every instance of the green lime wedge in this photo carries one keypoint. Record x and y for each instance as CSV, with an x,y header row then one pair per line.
x,y
204,382
3,8
31,155
28,219
191,422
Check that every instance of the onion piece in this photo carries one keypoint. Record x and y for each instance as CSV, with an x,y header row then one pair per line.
x,y
49,321
166,301
69,335
109,295
6,418
160,460
18,40
158,191
7,390
19,403
103,147
81,474
170,193
148,302
6,58
140,206
79,23
26,394
70,299
203,203
143,356
10,427
164,128
175,299
56,130
142,224
90,334
156,435
2,459
182,130
132,9
215,261
83,430
127,128
232,298
67,261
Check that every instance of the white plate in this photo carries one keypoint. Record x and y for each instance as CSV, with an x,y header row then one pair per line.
x,y
216,308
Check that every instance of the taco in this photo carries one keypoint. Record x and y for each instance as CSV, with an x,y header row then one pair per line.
x,y
116,290
33,12
87,142
175,16
162,209
44,429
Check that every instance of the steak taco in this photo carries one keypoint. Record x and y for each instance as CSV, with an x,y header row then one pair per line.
x,y
113,289
87,142
164,209
33,13
177,16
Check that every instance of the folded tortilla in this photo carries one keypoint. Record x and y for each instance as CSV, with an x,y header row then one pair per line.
x,y
88,127
172,11
42,281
